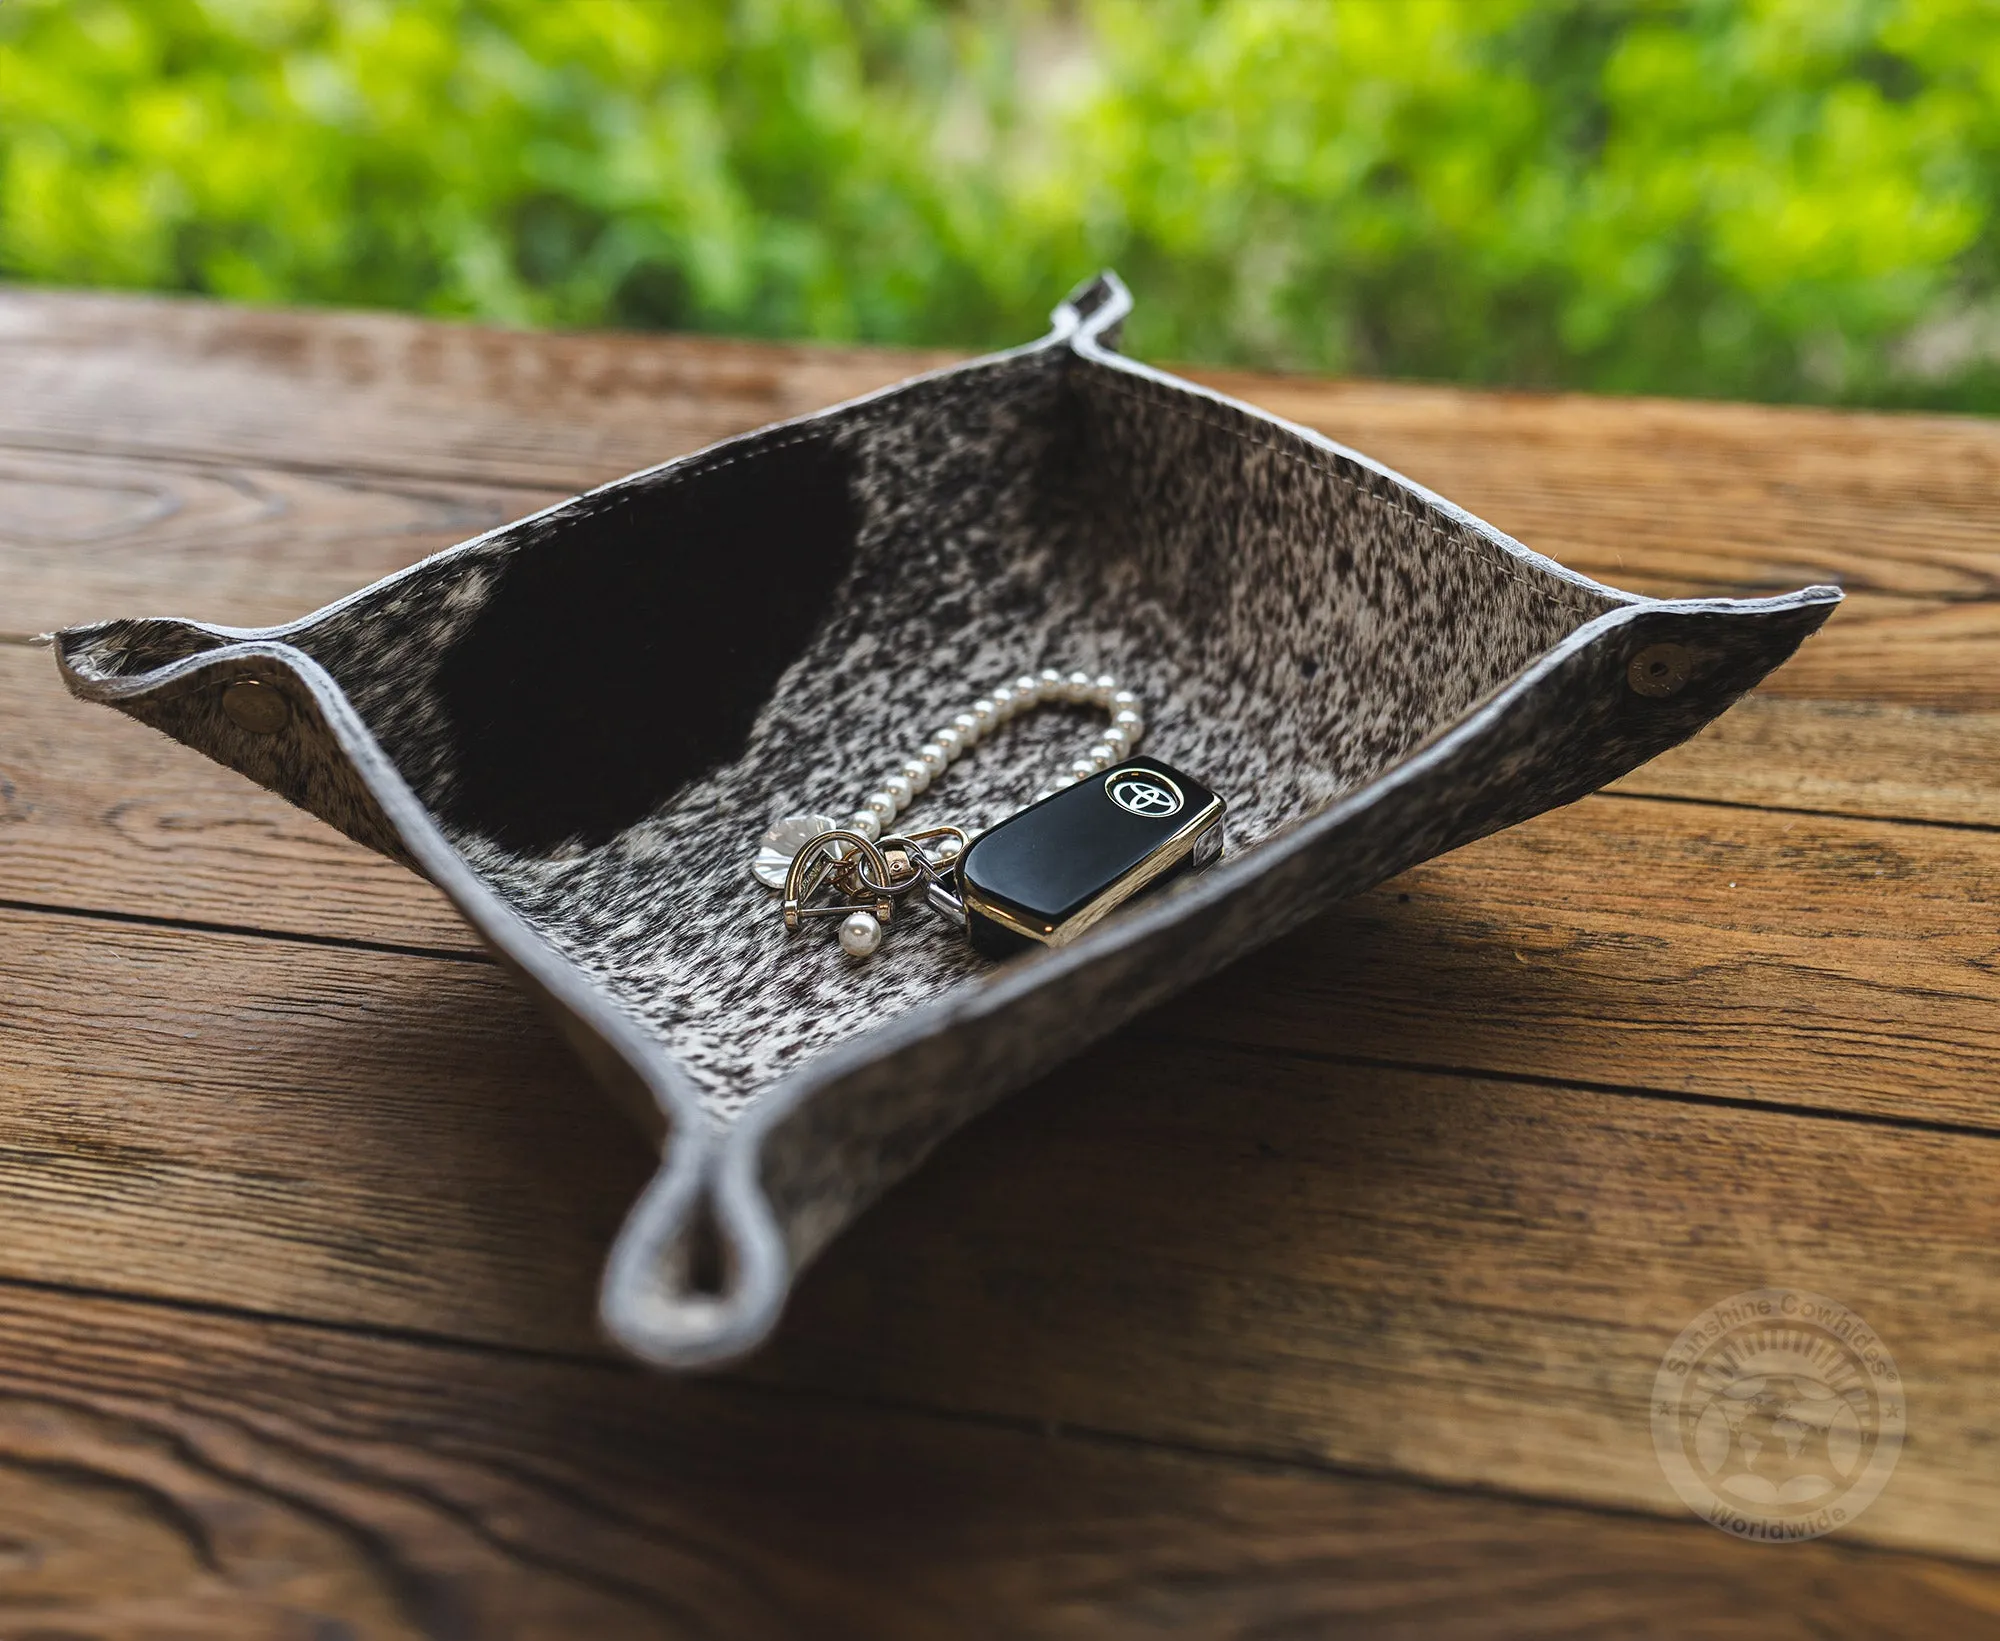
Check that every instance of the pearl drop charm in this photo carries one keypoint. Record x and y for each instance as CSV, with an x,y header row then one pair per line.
x,y
860,934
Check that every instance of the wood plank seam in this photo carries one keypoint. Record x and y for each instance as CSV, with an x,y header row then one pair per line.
x,y
1691,801
1582,1085
291,937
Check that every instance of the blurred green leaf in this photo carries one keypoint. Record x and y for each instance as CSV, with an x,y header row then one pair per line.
x,y
1782,199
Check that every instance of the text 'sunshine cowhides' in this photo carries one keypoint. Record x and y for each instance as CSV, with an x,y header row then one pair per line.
x,y
578,725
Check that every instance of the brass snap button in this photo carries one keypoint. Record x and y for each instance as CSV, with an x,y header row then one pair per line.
x,y
1660,670
258,707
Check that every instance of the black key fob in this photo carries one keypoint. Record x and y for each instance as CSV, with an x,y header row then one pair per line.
x,y
1051,872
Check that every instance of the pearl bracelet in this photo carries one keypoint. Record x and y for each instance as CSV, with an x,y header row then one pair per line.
x,y
1049,687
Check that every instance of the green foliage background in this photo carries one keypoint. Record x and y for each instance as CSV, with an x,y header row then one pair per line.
x,y
1765,198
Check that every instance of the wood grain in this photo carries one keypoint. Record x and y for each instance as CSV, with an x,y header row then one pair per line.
x,y
358,393
1653,495
1798,960
86,537
1328,1300
100,813
1445,1276
1449,1277
1869,757
327,1132
197,1478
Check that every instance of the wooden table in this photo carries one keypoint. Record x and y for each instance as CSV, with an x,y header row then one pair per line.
x,y
1329,1300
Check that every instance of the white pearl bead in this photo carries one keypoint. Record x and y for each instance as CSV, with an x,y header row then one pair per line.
x,y
1119,742
1049,684
1082,767
968,727
951,741
917,773
1060,782
1027,691
947,848
1005,703
1077,687
860,934
866,822
985,714
899,788
1130,722
1121,699
1102,754
882,806
1103,689
935,757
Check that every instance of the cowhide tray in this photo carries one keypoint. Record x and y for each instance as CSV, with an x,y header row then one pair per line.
x,y
578,725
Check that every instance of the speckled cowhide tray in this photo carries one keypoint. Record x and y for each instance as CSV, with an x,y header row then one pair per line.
x,y
577,726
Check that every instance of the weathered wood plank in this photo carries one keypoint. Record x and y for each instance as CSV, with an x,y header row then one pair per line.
x,y
1654,495
198,1477
1465,1280
1900,651
382,393
85,537
1445,1277
1839,757
348,1134
1795,960
100,813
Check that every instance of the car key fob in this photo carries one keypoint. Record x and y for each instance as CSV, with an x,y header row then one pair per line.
x,y
1050,873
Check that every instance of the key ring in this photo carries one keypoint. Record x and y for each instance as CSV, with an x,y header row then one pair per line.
x,y
859,872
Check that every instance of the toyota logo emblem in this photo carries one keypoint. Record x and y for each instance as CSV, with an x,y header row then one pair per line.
x,y
1142,792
